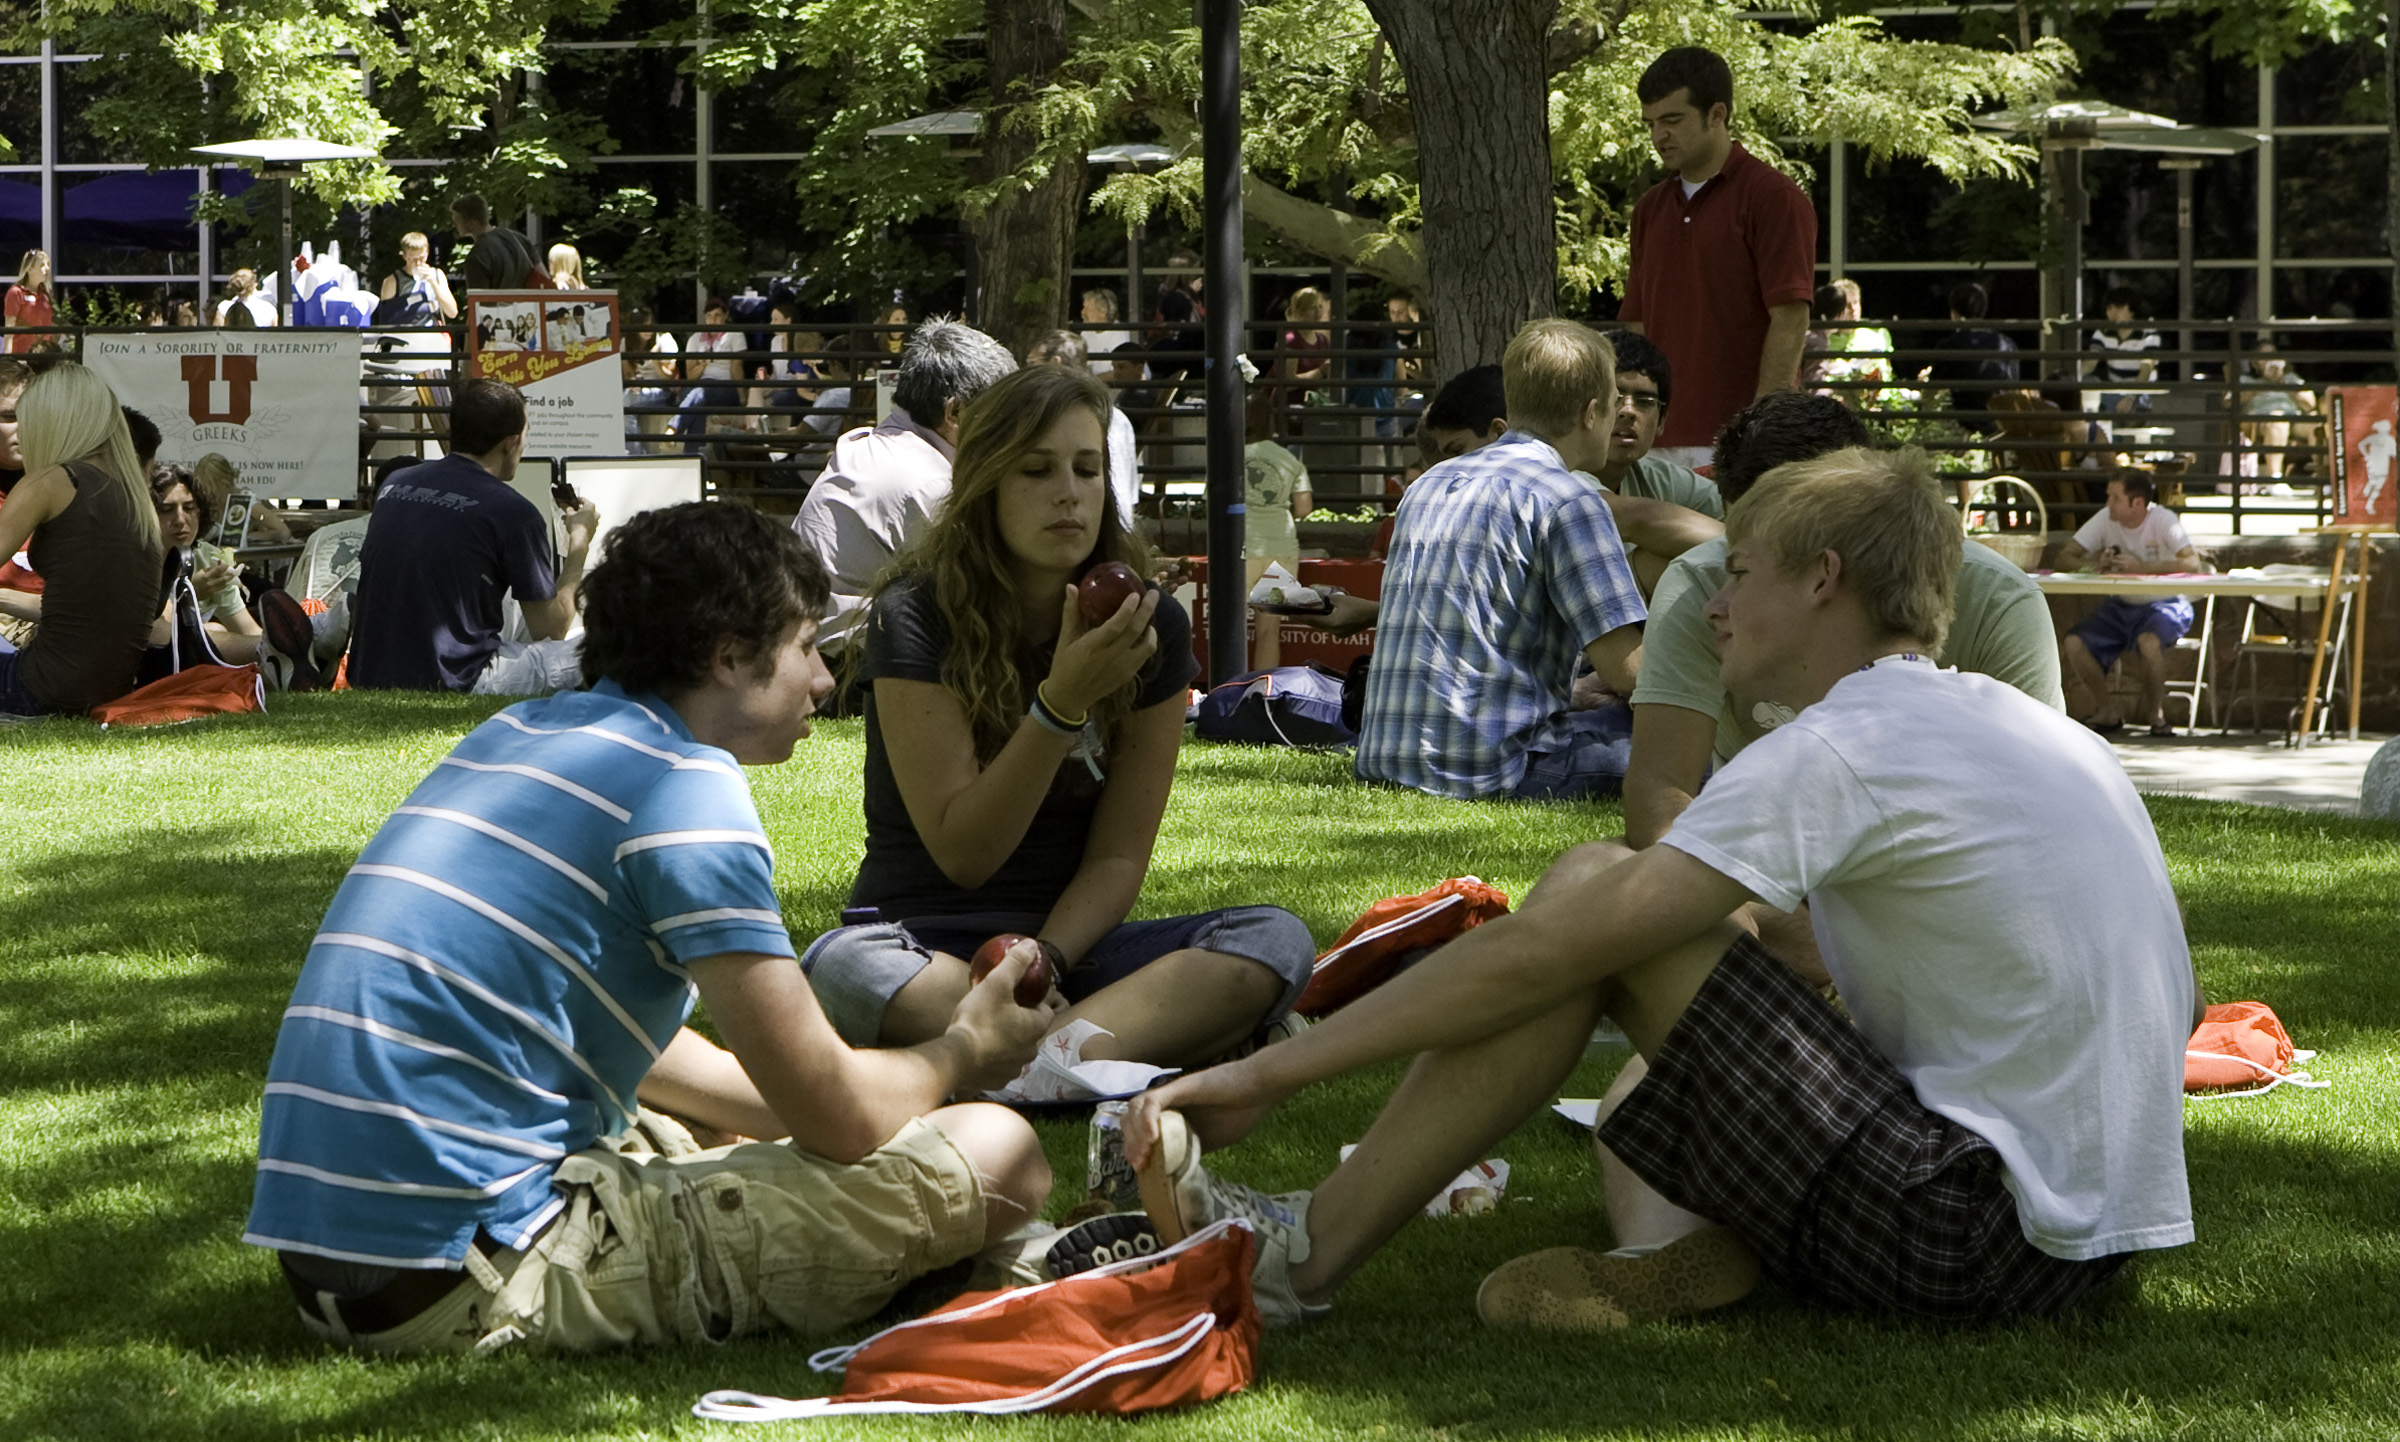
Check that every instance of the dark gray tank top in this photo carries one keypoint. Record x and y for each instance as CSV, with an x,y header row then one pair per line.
x,y
101,575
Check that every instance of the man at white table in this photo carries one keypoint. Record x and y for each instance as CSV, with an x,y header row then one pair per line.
x,y
2133,536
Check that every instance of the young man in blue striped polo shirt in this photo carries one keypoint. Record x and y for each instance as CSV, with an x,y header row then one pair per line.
x,y
459,1148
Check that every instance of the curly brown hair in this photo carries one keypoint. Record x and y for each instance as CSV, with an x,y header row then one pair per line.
x,y
964,563
167,475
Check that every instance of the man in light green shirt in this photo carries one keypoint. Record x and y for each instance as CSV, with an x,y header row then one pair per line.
x,y
1645,388
1683,717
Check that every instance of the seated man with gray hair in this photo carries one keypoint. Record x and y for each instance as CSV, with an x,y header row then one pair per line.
x,y
887,482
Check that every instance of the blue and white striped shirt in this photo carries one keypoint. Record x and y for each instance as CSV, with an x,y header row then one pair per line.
x,y
498,972
1503,567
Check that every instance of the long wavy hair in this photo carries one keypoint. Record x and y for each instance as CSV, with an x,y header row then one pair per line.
x,y
68,413
966,564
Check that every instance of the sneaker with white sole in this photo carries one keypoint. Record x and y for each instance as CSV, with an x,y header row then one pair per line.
x,y
1182,1198
1573,1289
286,644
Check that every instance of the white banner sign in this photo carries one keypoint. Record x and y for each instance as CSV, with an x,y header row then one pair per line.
x,y
282,405
559,348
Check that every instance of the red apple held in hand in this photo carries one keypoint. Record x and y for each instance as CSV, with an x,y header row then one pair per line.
x,y
1033,987
1104,589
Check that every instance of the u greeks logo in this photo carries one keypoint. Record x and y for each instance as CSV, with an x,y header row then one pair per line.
x,y
200,376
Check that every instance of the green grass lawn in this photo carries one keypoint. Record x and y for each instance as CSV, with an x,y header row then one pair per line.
x,y
157,893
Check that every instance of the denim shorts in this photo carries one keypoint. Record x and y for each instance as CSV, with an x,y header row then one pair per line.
x,y
857,970
1588,759
15,700
2119,623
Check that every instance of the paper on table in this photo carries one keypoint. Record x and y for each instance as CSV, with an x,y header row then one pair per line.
x,y
1058,1072
1472,1192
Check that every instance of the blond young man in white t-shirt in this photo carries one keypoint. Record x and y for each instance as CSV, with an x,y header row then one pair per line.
x,y
2133,536
2000,1129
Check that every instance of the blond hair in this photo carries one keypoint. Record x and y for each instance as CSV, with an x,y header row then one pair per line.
x,y
25,267
1883,514
566,267
1306,304
217,478
967,568
415,240
69,414
1552,372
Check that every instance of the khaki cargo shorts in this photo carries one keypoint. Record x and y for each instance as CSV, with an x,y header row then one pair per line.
x,y
661,1242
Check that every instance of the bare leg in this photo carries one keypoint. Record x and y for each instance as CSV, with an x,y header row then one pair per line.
x,y
1454,1104
1007,1158
1266,632
923,1008
2150,673
2083,669
1637,1215
1187,1007
1444,1118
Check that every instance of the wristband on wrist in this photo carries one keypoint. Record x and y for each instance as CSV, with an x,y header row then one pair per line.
x,y
1053,717
1049,720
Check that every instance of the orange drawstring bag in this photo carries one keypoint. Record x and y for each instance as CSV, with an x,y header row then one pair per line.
x,y
1166,1330
2242,1044
189,694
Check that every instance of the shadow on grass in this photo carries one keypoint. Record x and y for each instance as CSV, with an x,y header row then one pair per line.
x,y
145,984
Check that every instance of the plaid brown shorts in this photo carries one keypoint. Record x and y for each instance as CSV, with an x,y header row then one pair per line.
x,y
1769,1113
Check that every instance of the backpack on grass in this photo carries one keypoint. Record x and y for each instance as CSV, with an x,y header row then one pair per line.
x,y
1288,706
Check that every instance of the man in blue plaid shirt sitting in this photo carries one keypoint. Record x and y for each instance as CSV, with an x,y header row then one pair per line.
x,y
1505,569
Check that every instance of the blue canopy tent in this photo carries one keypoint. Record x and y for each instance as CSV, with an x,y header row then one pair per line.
x,y
20,218
121,210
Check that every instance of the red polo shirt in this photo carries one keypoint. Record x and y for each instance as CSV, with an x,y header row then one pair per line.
x,y
1704,271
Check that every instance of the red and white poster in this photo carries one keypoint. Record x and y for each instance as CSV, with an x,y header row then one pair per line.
x,y
2364,420
282,405
560,348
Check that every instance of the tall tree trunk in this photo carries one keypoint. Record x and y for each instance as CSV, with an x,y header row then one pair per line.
x,y
1479,93
1025,239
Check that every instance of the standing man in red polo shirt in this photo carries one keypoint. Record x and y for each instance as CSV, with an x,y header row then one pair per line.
x,y
1724,256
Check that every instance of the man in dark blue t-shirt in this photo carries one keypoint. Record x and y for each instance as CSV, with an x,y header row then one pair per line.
x,y
448,541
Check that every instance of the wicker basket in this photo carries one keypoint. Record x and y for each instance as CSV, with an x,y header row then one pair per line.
x,y
2022,549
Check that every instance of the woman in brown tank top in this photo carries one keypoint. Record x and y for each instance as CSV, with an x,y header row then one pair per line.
x,y
96,543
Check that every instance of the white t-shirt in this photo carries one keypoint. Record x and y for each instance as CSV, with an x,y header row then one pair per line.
x,y
717,342
1098,343
2158,539
1990,897
1124,466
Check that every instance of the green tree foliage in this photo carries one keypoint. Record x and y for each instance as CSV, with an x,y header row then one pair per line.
x,y
1327,106
1331,147
440,78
